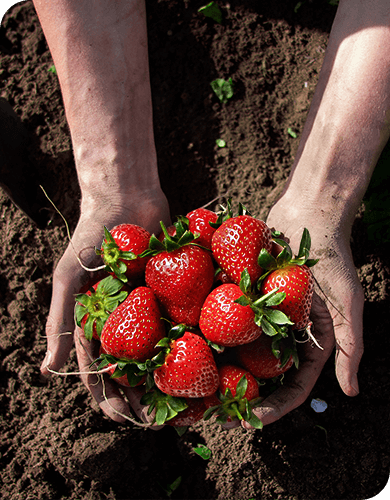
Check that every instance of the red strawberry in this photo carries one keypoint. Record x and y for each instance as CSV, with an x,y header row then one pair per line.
x,y
258,358
292,276
135,327
225,322
192,414
94,306
239,391
181,280
199,223
230,375
121,249
237,243
298,284
189,368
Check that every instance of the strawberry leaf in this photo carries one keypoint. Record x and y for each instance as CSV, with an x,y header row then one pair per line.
x,y
241,387
278,317
210,412
254,421
266,260
245,281
304,248
267,327
243,301
276,299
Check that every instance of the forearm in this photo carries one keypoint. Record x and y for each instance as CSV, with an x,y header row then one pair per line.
x,y
100,53
348,123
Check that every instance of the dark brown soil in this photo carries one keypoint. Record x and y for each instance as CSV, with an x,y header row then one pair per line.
x,y
54,443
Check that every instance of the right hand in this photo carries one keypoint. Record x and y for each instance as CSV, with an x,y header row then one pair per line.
x,y
69,278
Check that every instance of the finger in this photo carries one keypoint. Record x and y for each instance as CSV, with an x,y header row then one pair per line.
x,y
68,279
105,392
349,344
298,383
231,425
59,329
292,394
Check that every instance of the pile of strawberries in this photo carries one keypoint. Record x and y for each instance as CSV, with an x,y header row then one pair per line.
x,y
200,315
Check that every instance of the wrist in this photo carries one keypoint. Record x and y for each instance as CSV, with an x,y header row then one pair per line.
x,y
145,207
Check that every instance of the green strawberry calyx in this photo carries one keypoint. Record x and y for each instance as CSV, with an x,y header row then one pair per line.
x,y
137,370
286,258
98,305
235,407
274,323
166,406
134,370
183,237
113,257
227,213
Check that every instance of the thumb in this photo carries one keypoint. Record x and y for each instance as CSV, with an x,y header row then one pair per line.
x,y
349,343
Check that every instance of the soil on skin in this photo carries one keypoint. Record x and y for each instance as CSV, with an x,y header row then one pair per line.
x,y
55,443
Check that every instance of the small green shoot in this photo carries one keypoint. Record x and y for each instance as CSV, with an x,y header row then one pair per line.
x,y
171,488
220,143
213,11
292,132
223,89
52,69
203,451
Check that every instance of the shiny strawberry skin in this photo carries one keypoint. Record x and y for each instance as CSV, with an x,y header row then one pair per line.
x,y
181,280
189,369
230,375
133,329
199,224
236,245
258,358
226,323
298,284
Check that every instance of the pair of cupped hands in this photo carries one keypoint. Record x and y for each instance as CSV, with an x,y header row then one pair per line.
x,y
337,309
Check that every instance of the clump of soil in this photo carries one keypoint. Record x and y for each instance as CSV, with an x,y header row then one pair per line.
x,y
55,444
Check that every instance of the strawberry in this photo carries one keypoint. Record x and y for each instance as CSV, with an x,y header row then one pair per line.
x,y
264,358
292,276
225,322
298,284
180,274
238,394
134,328
121,249
188,369
230,375
199,224
93,307
237,243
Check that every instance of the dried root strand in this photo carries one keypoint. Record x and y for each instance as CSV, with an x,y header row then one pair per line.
x,y
88,269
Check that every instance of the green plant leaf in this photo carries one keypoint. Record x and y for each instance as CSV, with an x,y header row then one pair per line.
x,y
292,132
213,11
203,451
223,89
266,260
